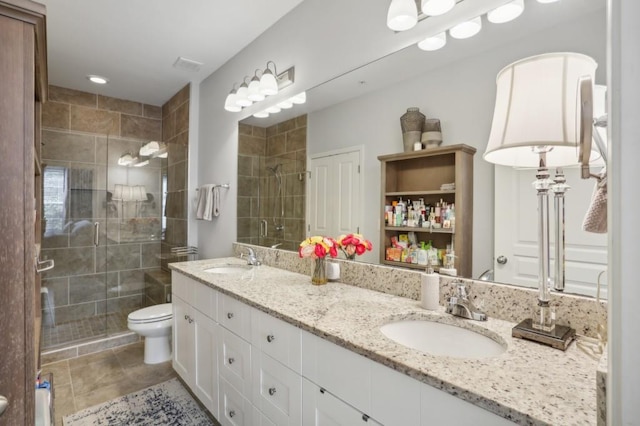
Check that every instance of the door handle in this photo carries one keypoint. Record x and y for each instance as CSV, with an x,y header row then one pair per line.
x,y
96,234
501,260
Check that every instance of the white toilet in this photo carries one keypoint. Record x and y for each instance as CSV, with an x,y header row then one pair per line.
x,y
154,323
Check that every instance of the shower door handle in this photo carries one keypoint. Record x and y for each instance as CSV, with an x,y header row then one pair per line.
x,y
4,403
263,228
96,234
44,265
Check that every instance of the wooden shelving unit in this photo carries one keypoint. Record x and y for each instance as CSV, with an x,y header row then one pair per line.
x,y
421,174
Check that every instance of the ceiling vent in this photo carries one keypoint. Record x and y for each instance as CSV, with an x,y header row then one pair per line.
x,y
187,64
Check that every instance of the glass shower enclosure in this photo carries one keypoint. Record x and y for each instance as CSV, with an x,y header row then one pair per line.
x,y
102,227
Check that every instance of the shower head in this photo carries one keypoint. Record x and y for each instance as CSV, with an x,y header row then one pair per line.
x,y
274,169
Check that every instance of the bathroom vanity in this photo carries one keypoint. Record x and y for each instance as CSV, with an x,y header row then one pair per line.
x,y
262,346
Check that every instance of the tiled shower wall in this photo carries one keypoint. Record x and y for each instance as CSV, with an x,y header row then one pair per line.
x,y
264,153
175,133
89,280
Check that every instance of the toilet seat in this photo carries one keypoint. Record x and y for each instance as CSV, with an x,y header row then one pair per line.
x,y
151,314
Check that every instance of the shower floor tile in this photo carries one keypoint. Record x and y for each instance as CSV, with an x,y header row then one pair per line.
x,y
83,329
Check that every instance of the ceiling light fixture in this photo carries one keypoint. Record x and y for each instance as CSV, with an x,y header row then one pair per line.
x,y
97,79
437,7
435,42
402,15
466,29
506,12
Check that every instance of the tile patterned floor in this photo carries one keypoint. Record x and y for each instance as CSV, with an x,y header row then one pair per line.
x,y
83,329
93,379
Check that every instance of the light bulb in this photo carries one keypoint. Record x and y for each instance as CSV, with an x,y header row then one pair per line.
x,y
402,15
466,29
435,42
506,12
437,7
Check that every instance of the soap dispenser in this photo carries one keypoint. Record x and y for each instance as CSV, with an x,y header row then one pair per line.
x,y
430,295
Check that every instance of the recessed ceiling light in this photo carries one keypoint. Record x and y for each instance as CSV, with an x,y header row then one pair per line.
x,y
98,79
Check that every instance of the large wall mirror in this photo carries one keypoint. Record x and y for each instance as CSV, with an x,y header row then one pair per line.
x,y
360,111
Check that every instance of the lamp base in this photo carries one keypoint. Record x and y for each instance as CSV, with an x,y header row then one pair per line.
x,y
560,337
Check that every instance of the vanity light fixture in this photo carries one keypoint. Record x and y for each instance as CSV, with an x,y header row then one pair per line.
x,y
125,159
149,149
257,89
261,114
254,94
435,42
466,29
547,1
141,163
242,99
536,124
230,102
273,109
506,12
286,104
97,79
300,98
437,7
402,15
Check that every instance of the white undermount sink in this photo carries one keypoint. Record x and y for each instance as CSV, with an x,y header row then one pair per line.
x,y
441,339
228,269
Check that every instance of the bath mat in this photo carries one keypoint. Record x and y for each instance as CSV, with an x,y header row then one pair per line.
x,y
167,403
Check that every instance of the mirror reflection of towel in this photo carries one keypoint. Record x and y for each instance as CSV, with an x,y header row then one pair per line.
x,y
596,218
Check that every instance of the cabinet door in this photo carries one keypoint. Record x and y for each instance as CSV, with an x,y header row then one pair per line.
x,y
235,362
183,339
205,383
320,408
235,409
395,397
277,390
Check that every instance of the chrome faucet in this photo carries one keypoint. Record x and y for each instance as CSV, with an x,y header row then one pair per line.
x,y
461,306
252,259
276,245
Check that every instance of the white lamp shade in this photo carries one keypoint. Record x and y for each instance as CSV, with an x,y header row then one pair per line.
x,y
437,7
537,106
466,29
273,109
230,103
286,104
268,83
261,114
547,1
402,15
149,148
253,91
506,12
435,42
241,97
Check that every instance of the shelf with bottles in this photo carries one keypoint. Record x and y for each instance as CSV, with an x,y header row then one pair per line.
x,y
428,229
407,251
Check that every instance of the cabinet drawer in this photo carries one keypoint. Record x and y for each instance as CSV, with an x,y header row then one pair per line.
x,y
234,362
205,299
277,390
182,286
235,316
235,409
276,338
345,374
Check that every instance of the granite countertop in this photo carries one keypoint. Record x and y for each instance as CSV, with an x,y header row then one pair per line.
x,y
529,383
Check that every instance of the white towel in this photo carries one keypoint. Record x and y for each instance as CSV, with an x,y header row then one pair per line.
x,y
205,202
596,218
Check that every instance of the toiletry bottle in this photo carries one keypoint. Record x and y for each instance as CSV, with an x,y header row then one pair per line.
x,y
430,286
437,212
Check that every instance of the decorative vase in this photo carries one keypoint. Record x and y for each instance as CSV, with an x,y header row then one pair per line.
x,y
411,123
319,273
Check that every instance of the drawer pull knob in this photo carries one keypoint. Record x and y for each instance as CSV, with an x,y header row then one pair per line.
x,y
230,315
271,338
272,391
186,316
365,418
231,361
190,320
232,413
322,390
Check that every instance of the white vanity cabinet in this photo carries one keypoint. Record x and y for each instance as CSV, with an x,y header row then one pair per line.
x,y
195,338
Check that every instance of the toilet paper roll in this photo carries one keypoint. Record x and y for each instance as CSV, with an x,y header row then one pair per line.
x,y
430,291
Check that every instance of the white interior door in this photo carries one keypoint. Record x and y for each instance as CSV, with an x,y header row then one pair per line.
x,y
516,232
334,193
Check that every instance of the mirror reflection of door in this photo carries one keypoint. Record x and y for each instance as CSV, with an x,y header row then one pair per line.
x,y
334,193
516,232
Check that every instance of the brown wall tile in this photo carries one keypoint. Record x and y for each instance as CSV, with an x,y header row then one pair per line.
x,y
296,139
250,145
119,105
286,126
73,97
55,115
301,121
168,127
182,118
176,100
68,146
245,129
94,121
276,145
152,111
260,132
181,139
141,128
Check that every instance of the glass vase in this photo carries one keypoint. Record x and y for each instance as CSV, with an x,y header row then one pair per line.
x,y
319,272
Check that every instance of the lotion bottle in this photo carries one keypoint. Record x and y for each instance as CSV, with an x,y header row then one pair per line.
x,y
430,286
